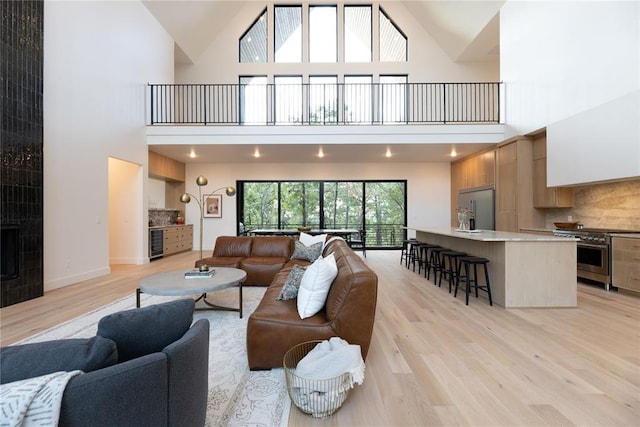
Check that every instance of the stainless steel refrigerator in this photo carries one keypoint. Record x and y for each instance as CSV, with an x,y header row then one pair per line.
x,y
482,204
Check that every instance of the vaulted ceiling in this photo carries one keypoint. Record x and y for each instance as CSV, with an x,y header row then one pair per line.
x,y
465,30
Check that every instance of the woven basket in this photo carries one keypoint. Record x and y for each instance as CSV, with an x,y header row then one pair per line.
x,y
319,398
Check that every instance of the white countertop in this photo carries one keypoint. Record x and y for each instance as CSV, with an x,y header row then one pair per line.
x,y
628,235
491,236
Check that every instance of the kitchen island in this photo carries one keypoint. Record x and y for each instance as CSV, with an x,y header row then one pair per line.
x,y
526,270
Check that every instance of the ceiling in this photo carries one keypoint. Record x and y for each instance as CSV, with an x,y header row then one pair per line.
x,y
465,30
305,153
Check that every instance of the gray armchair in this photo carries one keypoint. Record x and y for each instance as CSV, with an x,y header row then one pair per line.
x,y
147,366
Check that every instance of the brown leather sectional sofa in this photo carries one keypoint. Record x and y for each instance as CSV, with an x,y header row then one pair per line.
x,y
261,257
275,325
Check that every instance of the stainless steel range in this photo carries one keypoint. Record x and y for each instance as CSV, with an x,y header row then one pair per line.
x,y
593,252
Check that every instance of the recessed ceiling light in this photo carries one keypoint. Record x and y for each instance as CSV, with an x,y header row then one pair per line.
x,y
256,153
320,153
453,152
388,153
192,154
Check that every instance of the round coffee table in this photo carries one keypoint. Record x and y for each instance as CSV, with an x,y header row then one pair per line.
x,y
174,283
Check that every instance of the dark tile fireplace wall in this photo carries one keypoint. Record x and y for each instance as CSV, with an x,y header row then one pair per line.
x,y
21,60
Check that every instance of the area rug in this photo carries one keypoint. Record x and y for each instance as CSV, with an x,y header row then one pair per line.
x,y
237,396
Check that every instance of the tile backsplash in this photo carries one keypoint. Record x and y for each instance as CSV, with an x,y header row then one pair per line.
x,y
613,205
163,217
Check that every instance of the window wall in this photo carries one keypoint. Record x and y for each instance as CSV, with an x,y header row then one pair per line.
x,y
307,37
253,100
378,207
323,34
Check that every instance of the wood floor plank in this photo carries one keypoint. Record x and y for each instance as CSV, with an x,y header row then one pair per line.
x,y
435,361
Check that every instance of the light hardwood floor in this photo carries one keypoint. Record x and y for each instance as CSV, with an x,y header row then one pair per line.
x,y
435,361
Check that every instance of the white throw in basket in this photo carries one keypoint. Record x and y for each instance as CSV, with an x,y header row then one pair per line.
x,y
317,397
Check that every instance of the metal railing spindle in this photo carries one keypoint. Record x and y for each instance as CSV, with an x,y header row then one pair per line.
x,y
326,103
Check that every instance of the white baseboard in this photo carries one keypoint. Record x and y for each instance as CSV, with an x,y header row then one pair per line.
x,y
135,261
75,278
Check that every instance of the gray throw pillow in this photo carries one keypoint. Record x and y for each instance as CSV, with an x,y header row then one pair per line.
x,y
309,253
24,361
142,331
292,284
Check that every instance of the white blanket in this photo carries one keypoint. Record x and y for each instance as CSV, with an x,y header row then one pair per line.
x,y
329,359
34,401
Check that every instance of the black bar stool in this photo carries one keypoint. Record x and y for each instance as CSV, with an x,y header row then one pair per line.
x,y
414,254
467,262
425,256
422,258
449,264
408,260
434,261
404,253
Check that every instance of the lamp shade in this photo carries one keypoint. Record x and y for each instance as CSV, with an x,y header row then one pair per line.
x,y
185,198
202,181
231,191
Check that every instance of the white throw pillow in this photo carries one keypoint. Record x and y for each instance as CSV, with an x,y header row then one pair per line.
x,y
308,239
315,285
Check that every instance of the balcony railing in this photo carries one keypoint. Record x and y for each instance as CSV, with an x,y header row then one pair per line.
x,y
378,236
325,104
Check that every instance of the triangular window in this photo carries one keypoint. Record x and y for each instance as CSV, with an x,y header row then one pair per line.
x,y
253,43
393,42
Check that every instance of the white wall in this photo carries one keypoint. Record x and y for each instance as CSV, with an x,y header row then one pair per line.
x,y
571,65
157,189
98,58
428,189
601,144
427,61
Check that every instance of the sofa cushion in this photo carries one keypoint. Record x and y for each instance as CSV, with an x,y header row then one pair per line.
x,y
292,284
221,261
315,286
24,361
308,239
293,262
141,331
233,246
261,270
272,246
309,253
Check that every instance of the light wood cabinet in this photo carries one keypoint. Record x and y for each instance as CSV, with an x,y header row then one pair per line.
x,y
165,168
172,173
474,171
481,170
177,239
456,186
471,172
625,263
543,196
514,187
